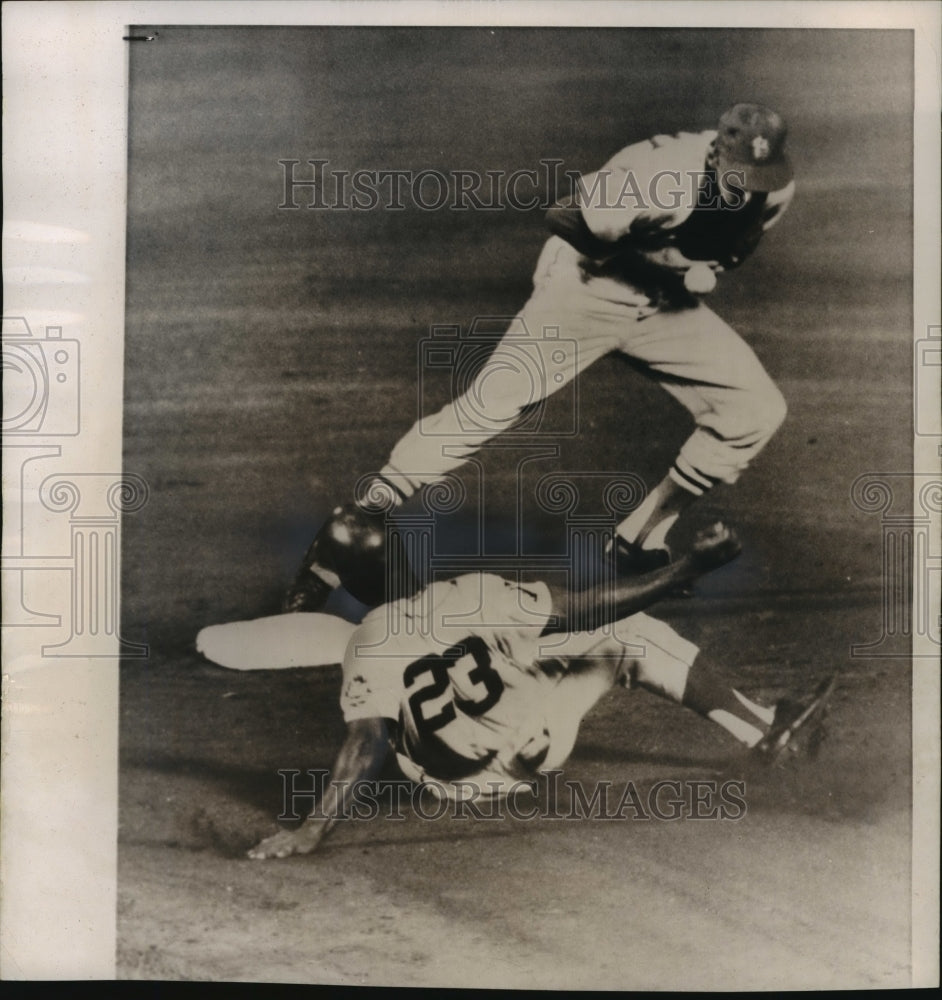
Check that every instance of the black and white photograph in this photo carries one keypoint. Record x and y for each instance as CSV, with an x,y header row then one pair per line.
x,y
520,563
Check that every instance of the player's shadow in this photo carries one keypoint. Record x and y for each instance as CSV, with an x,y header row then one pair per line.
x,y
253,786
473,829
197,803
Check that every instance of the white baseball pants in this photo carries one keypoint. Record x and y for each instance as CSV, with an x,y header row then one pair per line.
x,y
570,321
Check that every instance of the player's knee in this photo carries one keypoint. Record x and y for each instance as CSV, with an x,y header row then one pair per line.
x,y
495,401
771,410
756,416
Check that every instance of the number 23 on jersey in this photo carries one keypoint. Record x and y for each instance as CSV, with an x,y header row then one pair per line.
x,y
436,680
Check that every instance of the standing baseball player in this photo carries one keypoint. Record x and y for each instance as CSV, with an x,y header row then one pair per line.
x,y
480,683
626,270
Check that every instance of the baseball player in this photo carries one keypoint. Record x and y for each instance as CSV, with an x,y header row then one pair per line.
x,y
481,682
627,269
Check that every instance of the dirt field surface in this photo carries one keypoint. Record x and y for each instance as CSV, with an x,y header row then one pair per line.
x,y
271,358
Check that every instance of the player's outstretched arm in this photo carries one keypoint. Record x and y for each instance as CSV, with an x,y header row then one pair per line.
x,y
713,547
360,759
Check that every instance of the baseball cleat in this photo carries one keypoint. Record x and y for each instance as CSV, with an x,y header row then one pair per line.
x,y
630,559
358,549
308,592
791,716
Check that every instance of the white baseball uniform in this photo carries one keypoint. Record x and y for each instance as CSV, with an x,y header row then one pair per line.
x,y
657,197
479,695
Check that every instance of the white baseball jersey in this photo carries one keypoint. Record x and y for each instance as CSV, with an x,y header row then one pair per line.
x,y
652,188
463,669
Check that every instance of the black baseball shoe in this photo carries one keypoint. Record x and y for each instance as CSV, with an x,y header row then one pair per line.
x,y
357,549
630,559
308,592
791,717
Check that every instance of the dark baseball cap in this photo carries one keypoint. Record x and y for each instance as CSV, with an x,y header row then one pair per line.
x,y
750,140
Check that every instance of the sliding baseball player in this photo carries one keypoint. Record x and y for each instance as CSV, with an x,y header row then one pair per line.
x,y
477,684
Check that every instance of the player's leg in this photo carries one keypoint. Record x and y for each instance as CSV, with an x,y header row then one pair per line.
x,y
646,653
767,731
527,365
666,668
553,338
542,350
640,651
675,669
737,408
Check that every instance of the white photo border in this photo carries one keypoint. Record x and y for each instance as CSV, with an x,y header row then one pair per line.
x,y
65,75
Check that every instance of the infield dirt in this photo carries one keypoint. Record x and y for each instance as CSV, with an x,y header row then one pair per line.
x,y
271,358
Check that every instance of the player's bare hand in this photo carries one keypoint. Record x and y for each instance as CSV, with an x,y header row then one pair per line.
x,y
714,546
287,842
